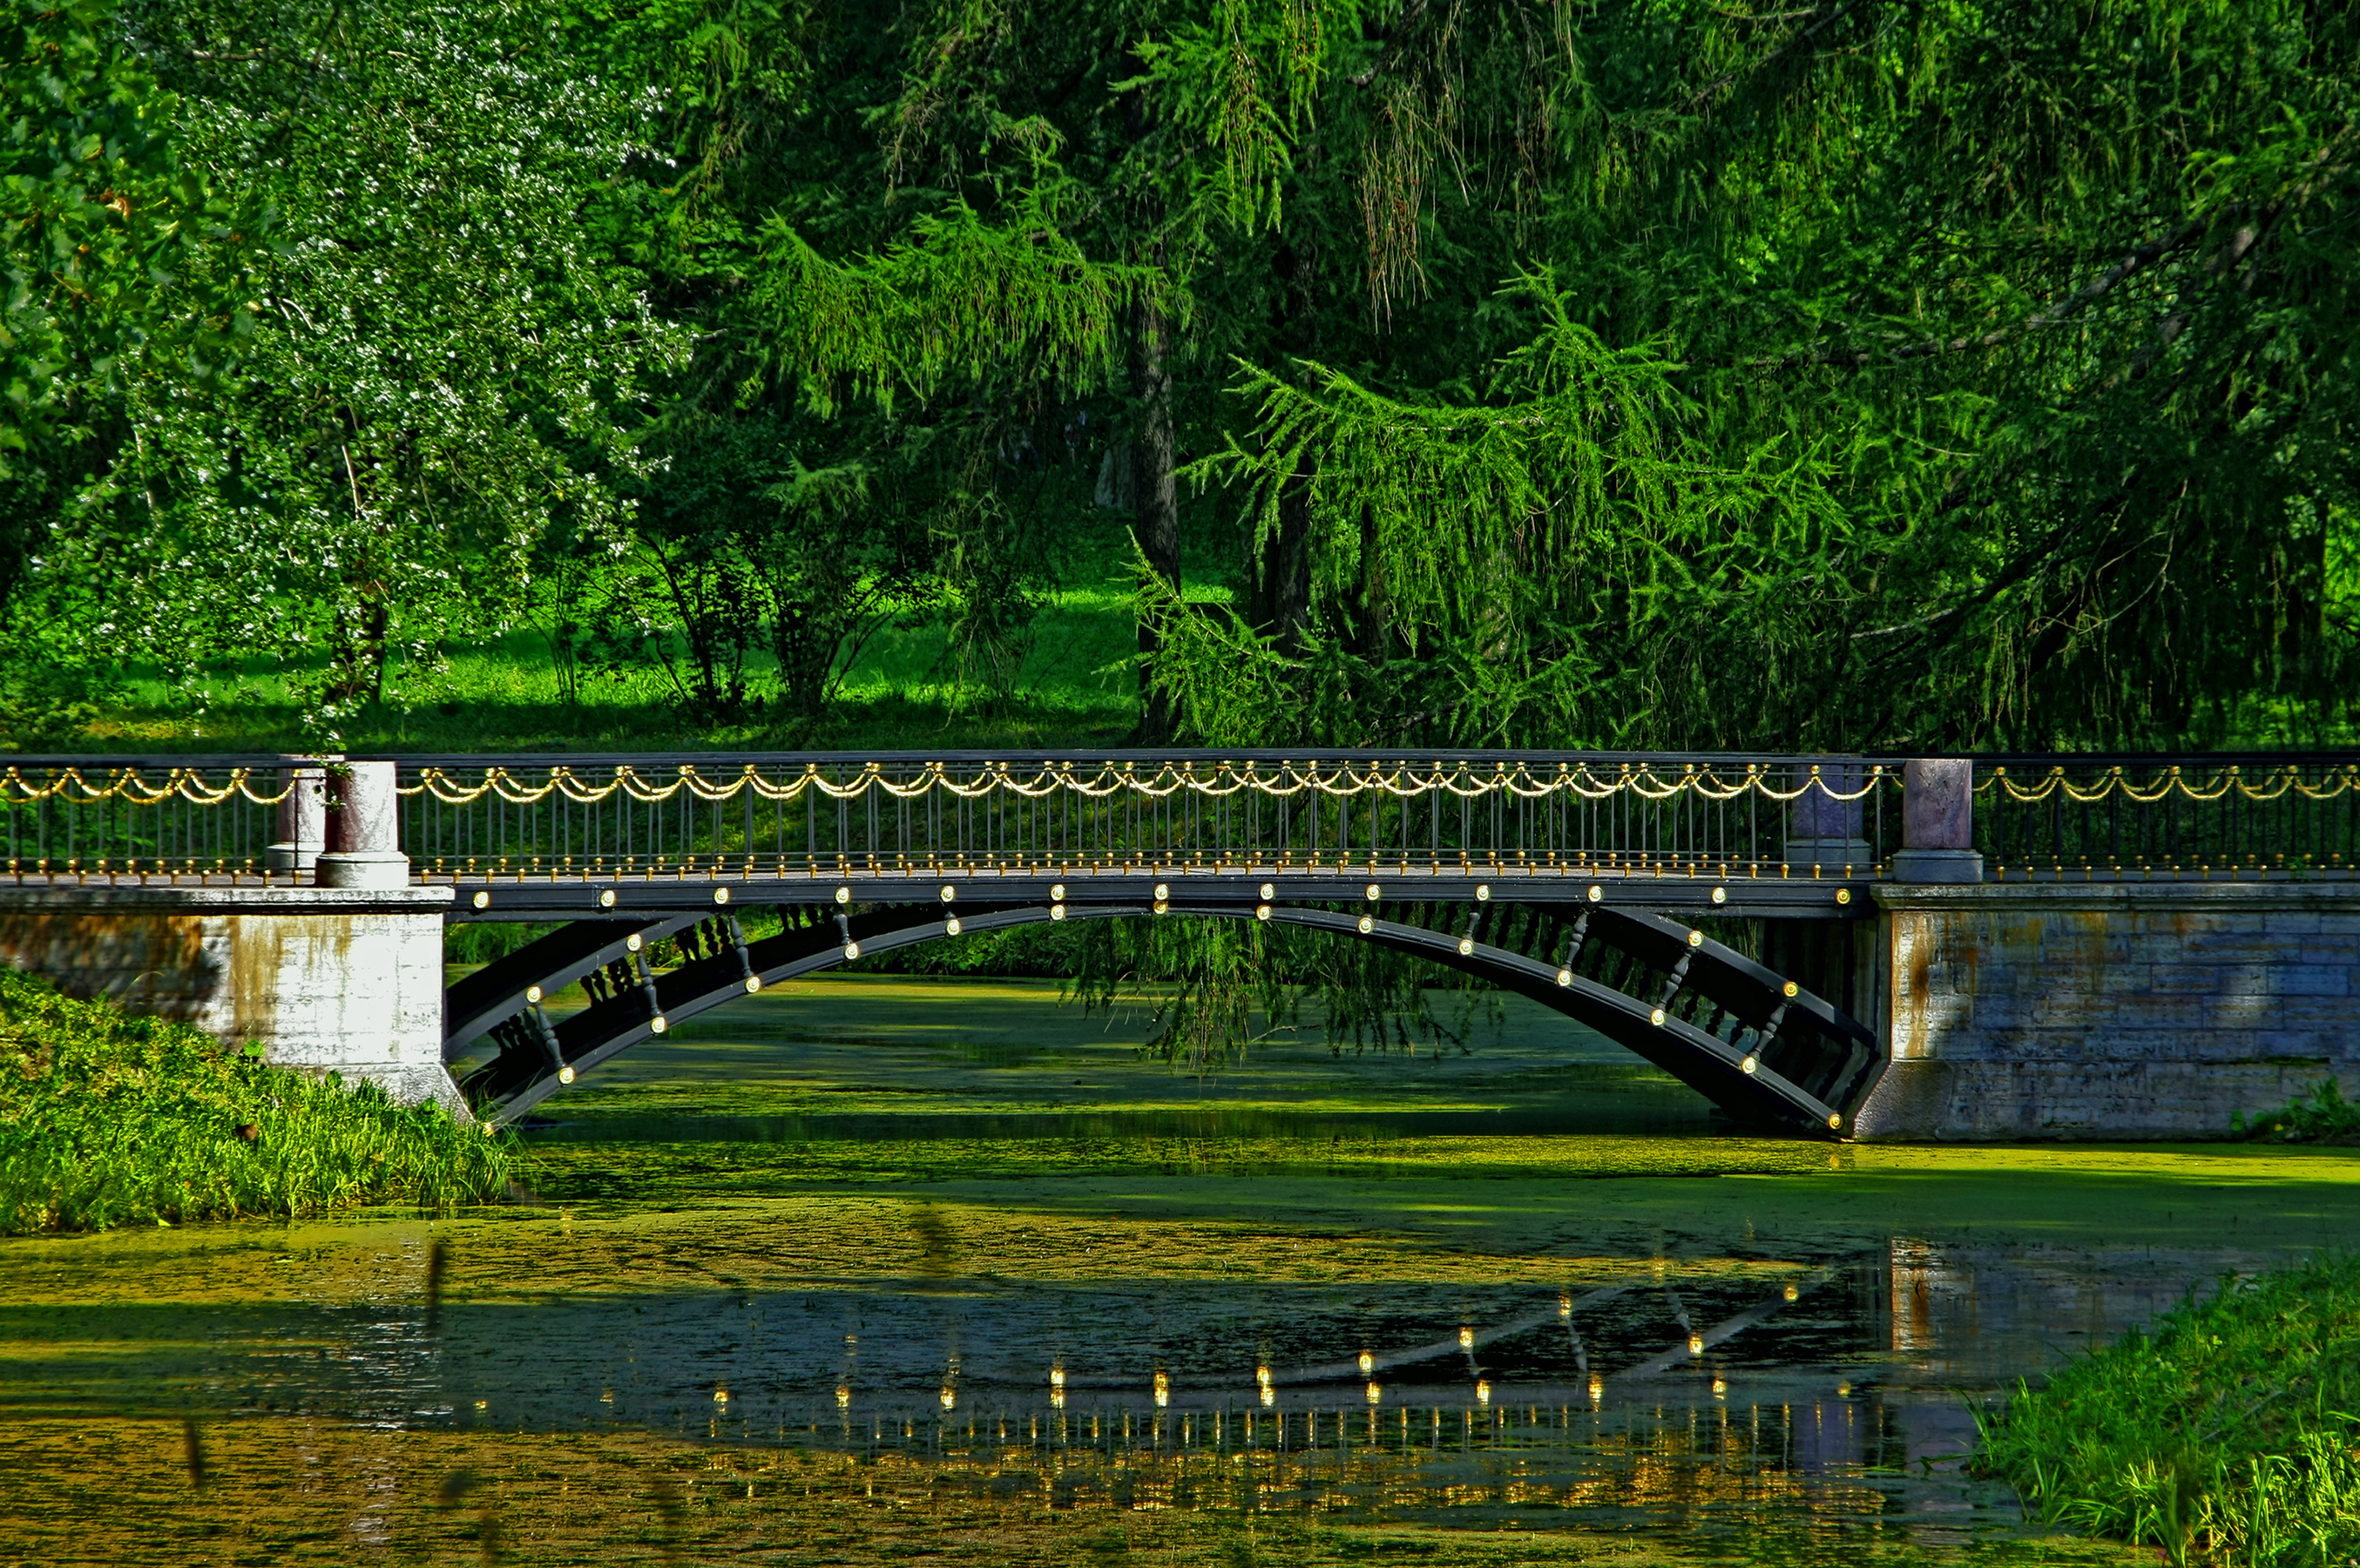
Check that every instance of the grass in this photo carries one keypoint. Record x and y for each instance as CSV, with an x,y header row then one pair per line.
x,y
1074,689
2324,1115
106,1119
2227,1434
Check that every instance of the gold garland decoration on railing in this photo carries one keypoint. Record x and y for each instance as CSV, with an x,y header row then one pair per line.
x,y
70,786
2276,784
1404,781
1284,780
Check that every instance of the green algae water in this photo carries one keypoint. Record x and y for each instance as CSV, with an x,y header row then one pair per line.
x,y
864,1269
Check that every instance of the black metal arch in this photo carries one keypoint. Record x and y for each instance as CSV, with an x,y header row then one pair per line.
x,y
1755,1044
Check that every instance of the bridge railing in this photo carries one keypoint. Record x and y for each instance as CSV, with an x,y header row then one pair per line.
x,y
1586,814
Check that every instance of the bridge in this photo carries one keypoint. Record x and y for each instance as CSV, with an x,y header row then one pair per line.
x,y
1770,929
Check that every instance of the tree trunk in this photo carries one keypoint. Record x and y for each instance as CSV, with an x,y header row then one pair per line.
x,y
1157,489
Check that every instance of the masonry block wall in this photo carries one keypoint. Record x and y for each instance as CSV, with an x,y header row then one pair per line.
x,y
2124,1010
325,978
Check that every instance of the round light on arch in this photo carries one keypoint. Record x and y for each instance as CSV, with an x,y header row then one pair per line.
x,y
1371,892
659,1023
482,901
1721,895
753,983
1056,912
1262,911
1057,893
606,899
1695,938
1268,891
951,926
721,895
844,895
1466,946
1843,895
1835,1121
1162,905
632,942
1162,890
1790,990
1656,1017
949,892
1565,977
1596,892
565,1073
1367,925
532,993
1748,1065
851,950
1482,892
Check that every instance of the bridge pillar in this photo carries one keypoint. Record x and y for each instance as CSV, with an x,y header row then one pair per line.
x,y
1938,823
364,848
341,979
2124,1010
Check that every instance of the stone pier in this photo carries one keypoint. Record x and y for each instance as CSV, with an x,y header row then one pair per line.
x,y
2121,1010
348,979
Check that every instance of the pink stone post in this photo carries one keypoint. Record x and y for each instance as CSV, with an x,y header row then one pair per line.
x,y
1938,823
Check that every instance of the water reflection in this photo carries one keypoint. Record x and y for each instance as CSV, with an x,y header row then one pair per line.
x,y
1714,1389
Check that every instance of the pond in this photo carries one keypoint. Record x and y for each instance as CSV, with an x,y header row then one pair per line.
x,y
869,1268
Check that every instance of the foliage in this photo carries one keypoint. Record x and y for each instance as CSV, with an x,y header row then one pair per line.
x,y
2322,1116
2227,1434
107,1120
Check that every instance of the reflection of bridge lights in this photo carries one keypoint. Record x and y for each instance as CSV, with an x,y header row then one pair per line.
x,y
1466,1338
1056,1376
1058,1398
1376,1393
1368,1364
1843,1391
1371,892
1483,1390
1261,1374
720,1395
950,1397
1792,1293
1162,1390
1720,1387
1267,1397
1367,925
1696,1344
843,1396
1563,1304
605,1396
1597,1388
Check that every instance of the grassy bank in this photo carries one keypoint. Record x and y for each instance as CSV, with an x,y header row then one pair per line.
x,y
106,1119
2228,1434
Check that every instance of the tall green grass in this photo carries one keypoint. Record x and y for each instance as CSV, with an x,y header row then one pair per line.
x,y
2324,1115
107,1120
2228,1434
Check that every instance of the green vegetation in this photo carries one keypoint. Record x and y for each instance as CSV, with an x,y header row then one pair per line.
x,y
108,1120
2324,1115
2229,1433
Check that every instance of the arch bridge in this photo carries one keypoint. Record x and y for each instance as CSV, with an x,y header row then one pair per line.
x,y
1708,912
